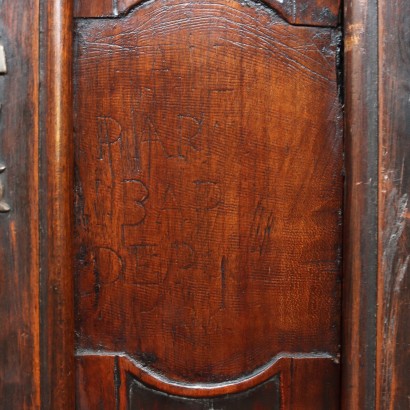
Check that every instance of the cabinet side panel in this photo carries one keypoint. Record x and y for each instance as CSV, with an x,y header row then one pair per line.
x,y
361,232
19,251
394,242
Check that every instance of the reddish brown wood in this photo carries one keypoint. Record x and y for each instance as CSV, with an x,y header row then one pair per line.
x,y
393,361
360,250
19,188
125,365
88,8
301,12
57,309
97,381
22,194
297,384
313,385
208,191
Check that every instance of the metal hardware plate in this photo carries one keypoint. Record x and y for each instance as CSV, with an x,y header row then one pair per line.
x,y
3,65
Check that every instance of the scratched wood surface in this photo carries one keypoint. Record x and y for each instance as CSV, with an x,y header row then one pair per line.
x,y
303,12
208,195
361,205
393,381
19,251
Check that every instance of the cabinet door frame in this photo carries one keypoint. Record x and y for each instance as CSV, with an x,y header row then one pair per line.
x,y
361,258
360,255
56,158
366,216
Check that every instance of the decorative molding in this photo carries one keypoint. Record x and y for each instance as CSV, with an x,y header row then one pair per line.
x,y
149,377
56,165
265,395
360,251
297,12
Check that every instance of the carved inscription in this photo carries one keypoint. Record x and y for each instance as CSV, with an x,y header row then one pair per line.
x,y
200,206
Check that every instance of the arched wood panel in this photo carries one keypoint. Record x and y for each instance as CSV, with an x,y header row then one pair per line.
x,y
208,192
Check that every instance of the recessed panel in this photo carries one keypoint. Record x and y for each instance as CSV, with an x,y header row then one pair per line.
x,y
208,188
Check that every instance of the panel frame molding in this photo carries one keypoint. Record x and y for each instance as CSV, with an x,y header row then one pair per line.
x,y
278,364
56,159
293,11
358,385
51,282
360,259
376,250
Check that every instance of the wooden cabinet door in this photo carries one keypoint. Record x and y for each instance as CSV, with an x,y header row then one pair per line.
x,y
205,245
208,197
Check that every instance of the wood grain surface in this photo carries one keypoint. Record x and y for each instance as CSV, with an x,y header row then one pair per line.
x,y
36,308
293,383
393,377
208,190
208,195
56,206
361,207
301,12
19,186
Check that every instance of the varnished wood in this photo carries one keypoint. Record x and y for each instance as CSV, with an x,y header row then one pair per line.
x,y
87,8
291,383
376,317
126,365
313,12
265,396
376,206
19,189
4,206
301,12
57,325
208,193
312,385
393,353
360,250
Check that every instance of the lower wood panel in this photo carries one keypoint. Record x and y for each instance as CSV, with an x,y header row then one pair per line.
x,y
108,381
266,396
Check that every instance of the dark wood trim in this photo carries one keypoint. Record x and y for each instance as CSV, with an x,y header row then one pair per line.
x,y
323,13
19,186
361,229
393,354
57,325
376,297
281,364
